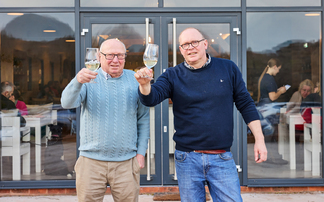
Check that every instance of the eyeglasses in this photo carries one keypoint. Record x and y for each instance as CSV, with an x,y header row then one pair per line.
x,y
120,56
193,44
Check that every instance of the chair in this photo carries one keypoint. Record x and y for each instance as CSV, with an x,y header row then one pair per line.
x,y
11,145
312,143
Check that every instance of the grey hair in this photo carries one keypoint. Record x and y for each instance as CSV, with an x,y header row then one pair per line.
x,y
6,86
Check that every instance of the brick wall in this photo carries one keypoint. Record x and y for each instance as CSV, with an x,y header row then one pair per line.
x,y
157,189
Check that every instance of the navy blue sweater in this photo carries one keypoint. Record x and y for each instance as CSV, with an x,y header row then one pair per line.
x,y
203,103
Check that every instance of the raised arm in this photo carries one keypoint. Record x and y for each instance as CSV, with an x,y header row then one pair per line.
x,y
144,83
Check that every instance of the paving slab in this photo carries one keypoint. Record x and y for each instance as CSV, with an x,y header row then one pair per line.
x,y
247,197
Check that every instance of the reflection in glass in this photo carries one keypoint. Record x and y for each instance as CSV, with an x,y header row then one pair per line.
x,y
133,36
37,3
295,41
206,3
218,38
38,55
120,3
286,3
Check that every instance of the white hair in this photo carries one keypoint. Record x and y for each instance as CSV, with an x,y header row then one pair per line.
x,y
6,86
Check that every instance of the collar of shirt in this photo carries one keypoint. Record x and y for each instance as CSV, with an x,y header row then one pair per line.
x,y
107,76
207,63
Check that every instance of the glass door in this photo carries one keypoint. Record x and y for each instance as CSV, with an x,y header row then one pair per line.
x,y
223,35
134,32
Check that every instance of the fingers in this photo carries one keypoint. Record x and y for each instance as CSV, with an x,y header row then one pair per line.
x,y
140,160
144,75
283,89
145,72
260,156
85,75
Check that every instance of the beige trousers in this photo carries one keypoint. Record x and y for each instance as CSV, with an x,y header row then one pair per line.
x,y
93,176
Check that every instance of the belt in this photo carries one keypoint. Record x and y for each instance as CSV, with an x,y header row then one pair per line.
x,y
215,151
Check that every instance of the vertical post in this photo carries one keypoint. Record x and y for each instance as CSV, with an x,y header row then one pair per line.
x,y
174,64
148,155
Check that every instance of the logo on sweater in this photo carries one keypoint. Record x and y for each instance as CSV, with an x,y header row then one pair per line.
x,y
221,80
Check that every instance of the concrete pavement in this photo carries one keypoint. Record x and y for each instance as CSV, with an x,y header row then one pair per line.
x,y
247,197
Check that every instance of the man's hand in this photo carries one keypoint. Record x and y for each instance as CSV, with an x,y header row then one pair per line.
x,y
260,151
85,75
144,83
140,160
141,75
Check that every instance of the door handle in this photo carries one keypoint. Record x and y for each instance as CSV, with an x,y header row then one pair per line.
x,y
174,41
174,21
147,22
148,156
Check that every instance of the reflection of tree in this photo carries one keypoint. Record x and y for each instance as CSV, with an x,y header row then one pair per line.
x,y
298,63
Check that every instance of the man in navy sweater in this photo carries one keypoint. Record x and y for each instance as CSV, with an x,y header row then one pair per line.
x,y
203,90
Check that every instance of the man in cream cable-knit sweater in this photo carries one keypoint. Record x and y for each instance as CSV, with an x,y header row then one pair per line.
x,y
114,128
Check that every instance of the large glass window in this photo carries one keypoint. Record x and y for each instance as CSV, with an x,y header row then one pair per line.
x,y
37,3
284,48
37,54
206,3
285,3
120,3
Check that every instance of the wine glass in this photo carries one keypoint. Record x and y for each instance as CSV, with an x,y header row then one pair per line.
x,y
91,60
150,57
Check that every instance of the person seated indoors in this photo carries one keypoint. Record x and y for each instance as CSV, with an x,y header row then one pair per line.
x,y
46,94
19,104
312,100
6,92
293,106
305,88
52,89
7,89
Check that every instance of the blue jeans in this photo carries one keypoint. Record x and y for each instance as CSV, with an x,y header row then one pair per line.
x,y
217,170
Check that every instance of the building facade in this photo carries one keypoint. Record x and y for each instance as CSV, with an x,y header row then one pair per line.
x,y
42,47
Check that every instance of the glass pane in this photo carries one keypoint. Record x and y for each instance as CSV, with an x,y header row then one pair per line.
x,y
218,37
206,3
292,40
265,3
37,3
120,3
133,36
38,56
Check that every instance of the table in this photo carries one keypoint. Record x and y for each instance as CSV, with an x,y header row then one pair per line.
x,y
37,121
292,120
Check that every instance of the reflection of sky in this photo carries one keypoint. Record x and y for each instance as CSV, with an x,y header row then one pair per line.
x,y
267,30
283,3
119,3
205,3
36,3
66,18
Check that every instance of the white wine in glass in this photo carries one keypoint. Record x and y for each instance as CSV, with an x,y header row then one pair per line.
x,y
151,55
91,60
